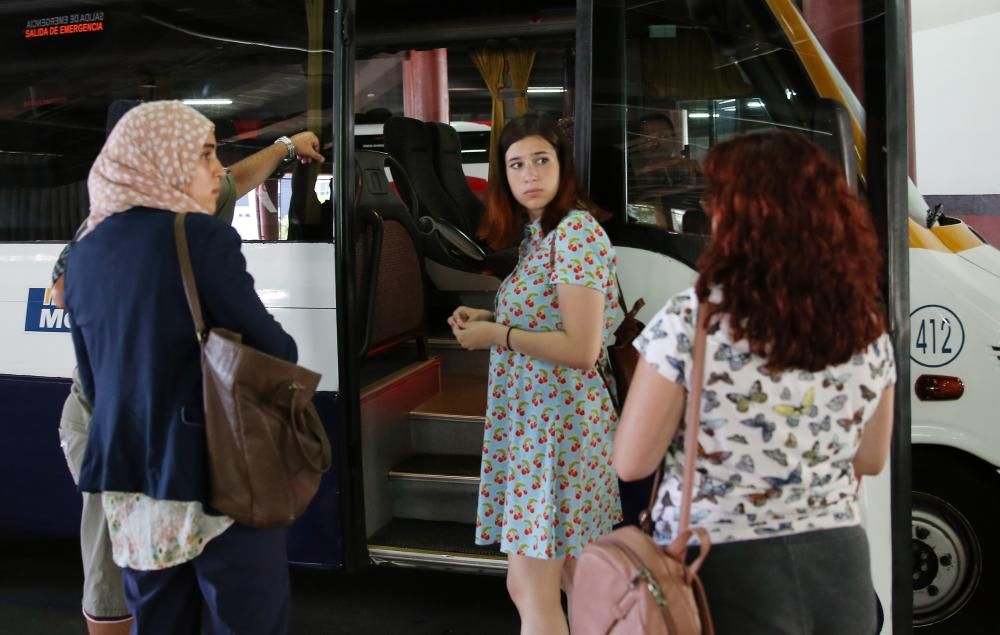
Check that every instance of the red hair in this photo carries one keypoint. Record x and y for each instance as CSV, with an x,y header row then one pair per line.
x,y
793,251
504,219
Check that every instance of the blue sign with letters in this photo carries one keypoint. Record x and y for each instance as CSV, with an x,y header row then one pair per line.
x,y
936,335
42,315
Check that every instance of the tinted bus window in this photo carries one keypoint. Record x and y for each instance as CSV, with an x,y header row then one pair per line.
x,y
258,72
695,81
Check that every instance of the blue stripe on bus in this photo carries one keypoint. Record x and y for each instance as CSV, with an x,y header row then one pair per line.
x,y
317,539
39,495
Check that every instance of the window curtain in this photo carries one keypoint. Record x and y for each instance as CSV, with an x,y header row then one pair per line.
x,y
519,62
490,63
687,67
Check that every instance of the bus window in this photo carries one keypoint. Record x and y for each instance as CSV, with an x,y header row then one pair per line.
x,y
698,82
257,74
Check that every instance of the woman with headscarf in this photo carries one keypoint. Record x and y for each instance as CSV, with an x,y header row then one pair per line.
x,y
138,361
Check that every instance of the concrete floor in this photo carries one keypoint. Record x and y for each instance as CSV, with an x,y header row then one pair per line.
x,y
40,588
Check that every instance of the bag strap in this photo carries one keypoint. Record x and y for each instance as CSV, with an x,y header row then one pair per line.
x,y
187,277
692,423
693,420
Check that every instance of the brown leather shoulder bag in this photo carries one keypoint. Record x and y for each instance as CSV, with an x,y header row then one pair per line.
x,y
267,448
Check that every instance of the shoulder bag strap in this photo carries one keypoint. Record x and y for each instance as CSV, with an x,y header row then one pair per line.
x,y
692,422
187,277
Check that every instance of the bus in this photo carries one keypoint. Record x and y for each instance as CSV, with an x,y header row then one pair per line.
x,y
403,405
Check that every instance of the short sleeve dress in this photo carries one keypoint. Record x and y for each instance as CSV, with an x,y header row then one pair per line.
x,y
548,488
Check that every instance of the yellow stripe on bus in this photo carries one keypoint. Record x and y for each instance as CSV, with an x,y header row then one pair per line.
x,y
923,238
809,52
957,237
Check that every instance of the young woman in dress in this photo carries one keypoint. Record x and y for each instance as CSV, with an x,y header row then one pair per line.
x,y
547,485
797,393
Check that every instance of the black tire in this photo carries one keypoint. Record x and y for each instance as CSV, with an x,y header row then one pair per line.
x,y
956,567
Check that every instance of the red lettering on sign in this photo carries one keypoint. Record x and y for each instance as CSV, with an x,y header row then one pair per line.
x,y
65,29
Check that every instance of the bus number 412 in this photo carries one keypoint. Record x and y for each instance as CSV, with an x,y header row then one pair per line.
x,y
932,329
938,336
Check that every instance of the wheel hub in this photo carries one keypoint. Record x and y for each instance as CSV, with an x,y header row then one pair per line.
x,y
944,555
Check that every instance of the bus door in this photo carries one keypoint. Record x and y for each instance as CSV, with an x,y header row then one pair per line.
x,y
422,111
692,75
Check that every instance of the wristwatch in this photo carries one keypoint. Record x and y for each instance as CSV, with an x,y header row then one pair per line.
x,y
292,154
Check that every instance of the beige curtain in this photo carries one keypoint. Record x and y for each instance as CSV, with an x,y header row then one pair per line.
x,y
490,64
687,67
520,62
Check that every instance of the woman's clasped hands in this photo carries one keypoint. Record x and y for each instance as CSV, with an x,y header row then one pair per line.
x,y
475,329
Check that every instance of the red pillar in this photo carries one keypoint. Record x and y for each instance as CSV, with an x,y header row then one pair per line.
x,y
837,24
425,85
838,27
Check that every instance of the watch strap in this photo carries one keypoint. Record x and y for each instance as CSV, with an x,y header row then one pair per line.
x,y
290,147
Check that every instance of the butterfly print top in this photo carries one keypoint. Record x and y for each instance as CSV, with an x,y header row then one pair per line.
x,y
775,447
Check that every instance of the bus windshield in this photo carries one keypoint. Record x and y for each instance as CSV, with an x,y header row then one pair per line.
x,y
695,75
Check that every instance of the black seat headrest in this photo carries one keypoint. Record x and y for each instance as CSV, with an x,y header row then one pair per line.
x,y
448,163
409,142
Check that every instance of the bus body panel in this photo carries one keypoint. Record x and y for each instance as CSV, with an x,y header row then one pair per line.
x,y
948,288
651,276
296,283
39,494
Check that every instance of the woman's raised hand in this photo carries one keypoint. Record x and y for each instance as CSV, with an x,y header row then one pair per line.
x,y
463,314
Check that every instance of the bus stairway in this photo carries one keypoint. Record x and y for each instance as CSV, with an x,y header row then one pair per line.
x,y
434,487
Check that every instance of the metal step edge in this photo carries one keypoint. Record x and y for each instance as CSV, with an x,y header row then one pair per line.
x,y
438,343
422,415
444,560
423,477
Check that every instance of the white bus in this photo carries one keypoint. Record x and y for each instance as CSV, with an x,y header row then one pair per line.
x,y
404,408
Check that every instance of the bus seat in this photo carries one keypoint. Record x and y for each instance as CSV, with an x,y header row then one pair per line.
x,y
42,213
409,142
389,272
831,130
448,163
448,242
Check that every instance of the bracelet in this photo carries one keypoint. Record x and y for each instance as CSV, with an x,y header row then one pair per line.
x,y
509,329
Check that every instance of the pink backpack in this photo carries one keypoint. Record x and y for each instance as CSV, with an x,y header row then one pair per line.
x,y
626,584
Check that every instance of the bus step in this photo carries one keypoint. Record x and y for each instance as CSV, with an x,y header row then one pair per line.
x,y
451,422
436,545
446,435
436,487
456,359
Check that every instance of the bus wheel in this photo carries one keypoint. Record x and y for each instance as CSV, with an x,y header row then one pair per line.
x,y
951,586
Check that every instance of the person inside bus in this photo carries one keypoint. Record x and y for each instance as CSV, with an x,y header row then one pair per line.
x,y
138,363
658,167
548,487
798,392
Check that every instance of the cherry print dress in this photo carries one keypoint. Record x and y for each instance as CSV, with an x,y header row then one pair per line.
x,y
548,488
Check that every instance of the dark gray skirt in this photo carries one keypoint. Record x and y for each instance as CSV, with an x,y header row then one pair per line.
x,y
813,583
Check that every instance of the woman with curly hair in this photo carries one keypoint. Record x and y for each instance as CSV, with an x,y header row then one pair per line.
x,y
797,392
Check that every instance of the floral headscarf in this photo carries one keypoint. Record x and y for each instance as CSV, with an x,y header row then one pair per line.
x,y
148,160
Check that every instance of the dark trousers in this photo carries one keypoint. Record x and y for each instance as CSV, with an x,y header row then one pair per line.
x,y
814,583
240,580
